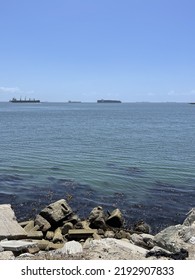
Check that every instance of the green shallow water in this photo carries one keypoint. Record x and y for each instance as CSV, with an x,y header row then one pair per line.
x,y
136,156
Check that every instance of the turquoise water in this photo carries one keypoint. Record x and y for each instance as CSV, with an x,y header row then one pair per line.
x,y
139,157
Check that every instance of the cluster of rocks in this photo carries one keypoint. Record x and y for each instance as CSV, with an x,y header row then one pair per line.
x,y
58,231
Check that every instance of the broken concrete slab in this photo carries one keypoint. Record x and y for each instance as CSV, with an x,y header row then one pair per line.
x,y
9,227
16,245
35,235
28,227
78,234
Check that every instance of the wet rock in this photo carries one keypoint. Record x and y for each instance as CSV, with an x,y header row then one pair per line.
x,y
115,219
141,226
122,234
97,218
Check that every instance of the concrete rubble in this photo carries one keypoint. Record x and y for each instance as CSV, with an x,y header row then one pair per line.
x,y
58,233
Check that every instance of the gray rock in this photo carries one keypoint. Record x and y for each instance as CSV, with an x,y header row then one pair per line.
x,y
97,218
148,239
7,255
170,239
187,232
122,234
142,226
118,245
56,212
138,240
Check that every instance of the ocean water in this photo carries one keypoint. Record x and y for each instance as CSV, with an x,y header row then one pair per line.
x,y
139,157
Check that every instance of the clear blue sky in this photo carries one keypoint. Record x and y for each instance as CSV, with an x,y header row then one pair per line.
x,y
132,50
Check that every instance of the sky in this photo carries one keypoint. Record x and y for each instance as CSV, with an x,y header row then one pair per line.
x,y
84,50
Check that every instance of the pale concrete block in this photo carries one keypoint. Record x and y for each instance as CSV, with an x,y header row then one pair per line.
x,y
16,245
9,227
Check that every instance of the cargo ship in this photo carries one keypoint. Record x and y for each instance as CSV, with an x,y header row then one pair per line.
x,y
14,100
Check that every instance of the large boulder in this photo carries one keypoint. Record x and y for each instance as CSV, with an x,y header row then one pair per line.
x,y
56,212
97,218
115,219
170,239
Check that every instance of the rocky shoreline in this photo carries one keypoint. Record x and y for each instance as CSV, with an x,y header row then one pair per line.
x,y
58,233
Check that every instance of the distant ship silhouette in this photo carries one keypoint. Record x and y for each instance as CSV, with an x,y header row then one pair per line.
x,y
14,100
108,101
